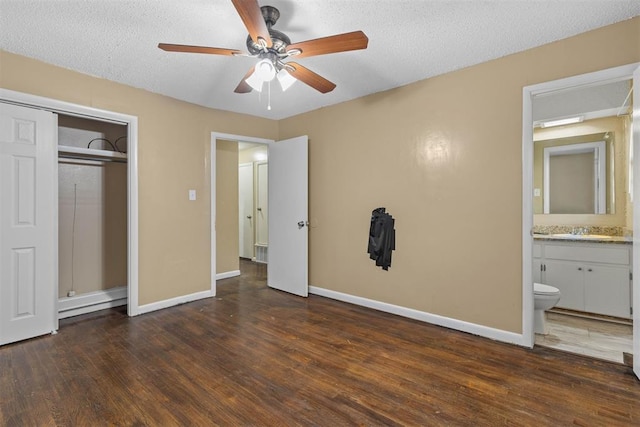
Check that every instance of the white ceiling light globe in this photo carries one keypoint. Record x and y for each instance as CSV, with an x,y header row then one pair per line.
x,y
265,70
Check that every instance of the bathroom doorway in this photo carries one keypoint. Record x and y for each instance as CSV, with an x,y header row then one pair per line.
x,y
600,105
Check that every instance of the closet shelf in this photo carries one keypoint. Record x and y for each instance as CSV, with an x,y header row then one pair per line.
x,y
90,153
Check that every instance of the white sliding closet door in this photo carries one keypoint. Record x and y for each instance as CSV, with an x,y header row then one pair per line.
x,y
28,253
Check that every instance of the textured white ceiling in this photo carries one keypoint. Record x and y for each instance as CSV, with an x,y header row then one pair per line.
x,y
409,40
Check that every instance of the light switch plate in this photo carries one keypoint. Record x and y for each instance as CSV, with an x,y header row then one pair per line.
x,y
192,194
536,192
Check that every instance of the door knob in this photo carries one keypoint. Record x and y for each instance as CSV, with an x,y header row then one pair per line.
x,y
249,216
302,224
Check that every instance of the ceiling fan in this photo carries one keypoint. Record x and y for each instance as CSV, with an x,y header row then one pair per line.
x,y
274,47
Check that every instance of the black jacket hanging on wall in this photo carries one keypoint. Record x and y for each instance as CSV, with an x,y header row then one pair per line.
x,y
382,238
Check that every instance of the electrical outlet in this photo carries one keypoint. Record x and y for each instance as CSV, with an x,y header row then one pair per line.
x,y
192,194
71,293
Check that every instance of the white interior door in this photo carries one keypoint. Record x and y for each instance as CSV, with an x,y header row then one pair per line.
x,y
28,223
288,210
246,219
636,222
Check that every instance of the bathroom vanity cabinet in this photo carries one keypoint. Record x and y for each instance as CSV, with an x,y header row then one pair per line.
x,y
592,277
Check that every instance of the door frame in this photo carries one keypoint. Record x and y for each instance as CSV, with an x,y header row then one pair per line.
x,y
215,136
257,193
77,110
253,214
623,72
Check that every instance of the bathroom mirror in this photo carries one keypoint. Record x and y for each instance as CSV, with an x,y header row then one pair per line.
x,y
575,175
581,149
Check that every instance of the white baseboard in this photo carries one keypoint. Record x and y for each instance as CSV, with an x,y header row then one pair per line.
x,y
147,308
447,322
92,301
227,274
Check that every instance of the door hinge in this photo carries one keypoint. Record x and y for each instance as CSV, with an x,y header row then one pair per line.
x,y
630,275
631,311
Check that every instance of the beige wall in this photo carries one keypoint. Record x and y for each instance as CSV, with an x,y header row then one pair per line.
x,y
443,155
227,244
587,131
174,152
573,178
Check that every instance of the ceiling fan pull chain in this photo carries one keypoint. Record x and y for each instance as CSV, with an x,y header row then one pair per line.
x,y
269,96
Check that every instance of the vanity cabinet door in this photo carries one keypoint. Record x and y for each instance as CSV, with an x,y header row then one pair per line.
x,y
606,290
537,270
568,277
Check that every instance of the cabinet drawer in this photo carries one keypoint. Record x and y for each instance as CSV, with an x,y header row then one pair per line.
x,y
607,255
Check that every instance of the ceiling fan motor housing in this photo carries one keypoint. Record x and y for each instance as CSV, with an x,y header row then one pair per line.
x,y
279,39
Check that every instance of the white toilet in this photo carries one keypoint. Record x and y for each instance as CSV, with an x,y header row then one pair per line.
x,y
544,297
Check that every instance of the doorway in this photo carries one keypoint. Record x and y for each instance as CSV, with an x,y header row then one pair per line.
x,y
532,194
253,196
287,217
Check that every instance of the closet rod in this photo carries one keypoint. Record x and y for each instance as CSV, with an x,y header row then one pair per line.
x,y
91,159
69,152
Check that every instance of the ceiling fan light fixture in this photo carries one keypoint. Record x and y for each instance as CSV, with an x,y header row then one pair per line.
x,y
265,70
285,79
255,81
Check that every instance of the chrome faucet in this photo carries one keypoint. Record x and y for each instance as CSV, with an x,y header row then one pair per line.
x,y
579,230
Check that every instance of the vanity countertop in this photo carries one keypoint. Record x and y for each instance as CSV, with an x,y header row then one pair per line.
x,y
590,238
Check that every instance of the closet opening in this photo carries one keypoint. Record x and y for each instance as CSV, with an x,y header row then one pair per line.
x,y
92,215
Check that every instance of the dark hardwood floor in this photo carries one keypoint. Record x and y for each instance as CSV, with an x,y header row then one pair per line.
x,y
256,356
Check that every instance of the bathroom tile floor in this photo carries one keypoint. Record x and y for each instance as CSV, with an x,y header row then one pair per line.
x,y
594,338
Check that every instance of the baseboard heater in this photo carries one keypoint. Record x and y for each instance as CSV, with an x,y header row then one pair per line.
x,y
92,301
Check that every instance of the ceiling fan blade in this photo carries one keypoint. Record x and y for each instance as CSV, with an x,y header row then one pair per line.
x,y
243,86
310,78
199,49
251,15
339,43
